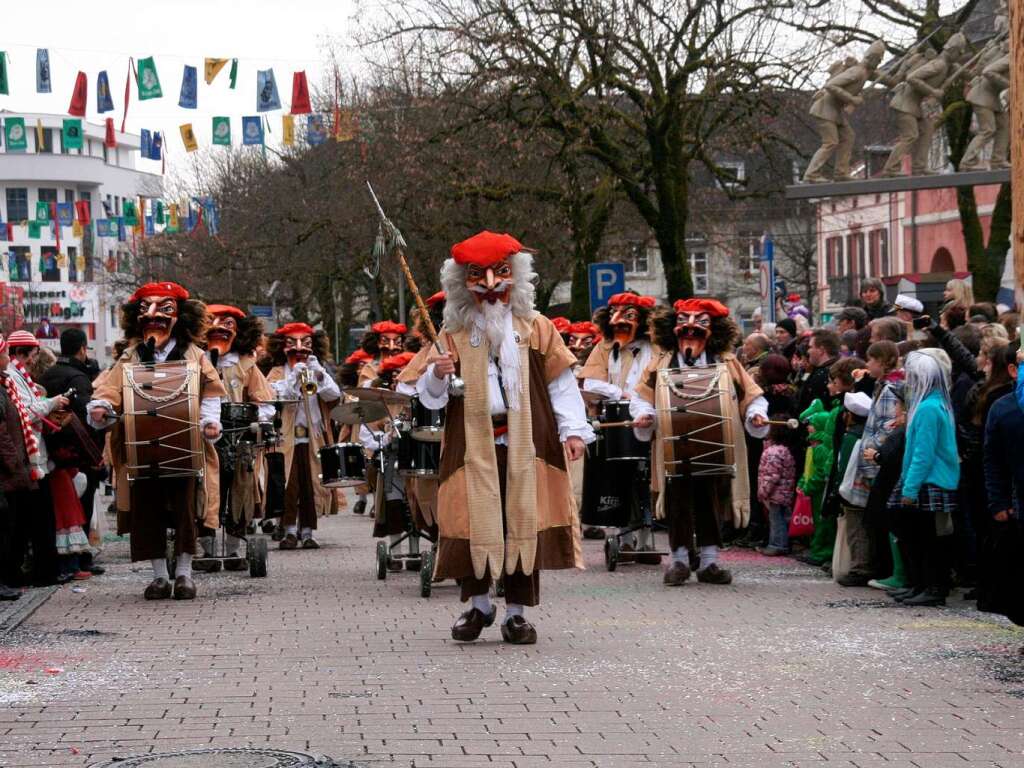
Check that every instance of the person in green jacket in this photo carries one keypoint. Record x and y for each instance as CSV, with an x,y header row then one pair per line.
x,y
820,427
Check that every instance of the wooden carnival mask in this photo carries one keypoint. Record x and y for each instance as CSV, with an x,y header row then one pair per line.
x,y
157,316
693,325
223,327
298,341
390,343
582,337
627,312
492,283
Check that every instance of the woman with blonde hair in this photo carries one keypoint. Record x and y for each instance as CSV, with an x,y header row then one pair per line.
x,y
958,293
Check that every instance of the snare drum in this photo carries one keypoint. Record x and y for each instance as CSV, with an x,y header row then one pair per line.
x,y
237,419
619,443
342,465
697,427
427,425
417,458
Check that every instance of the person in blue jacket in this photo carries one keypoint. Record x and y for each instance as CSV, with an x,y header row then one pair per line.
x,y
931,473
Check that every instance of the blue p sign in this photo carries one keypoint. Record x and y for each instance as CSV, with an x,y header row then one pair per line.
x,y
605,281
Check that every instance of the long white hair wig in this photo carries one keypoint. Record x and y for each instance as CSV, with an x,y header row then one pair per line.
x,y
459,302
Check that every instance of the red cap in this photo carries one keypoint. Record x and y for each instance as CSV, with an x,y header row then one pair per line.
x,y
160,289
359,356
632,300
712,307
387,326
585,327
437,298
225,309
485,249
396,362
22,339
793,297
561,324
294,328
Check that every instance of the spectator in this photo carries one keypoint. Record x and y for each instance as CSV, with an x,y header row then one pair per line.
x,y
1011,322
889,459
851,319
776,484
848,343
931,472
958,293
785,333
907,309
872,293
852,538
954,317
887,329
15,485
822,352
45,330
774,376
985,311
754,348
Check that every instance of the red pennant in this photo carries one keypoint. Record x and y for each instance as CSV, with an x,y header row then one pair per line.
x,y
110,142
300,94
79,96
56,224
82,212
128,91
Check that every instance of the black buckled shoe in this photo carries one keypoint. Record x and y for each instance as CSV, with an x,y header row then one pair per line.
x,y
184,588
518,631
158,589
470,624
714,575
677,574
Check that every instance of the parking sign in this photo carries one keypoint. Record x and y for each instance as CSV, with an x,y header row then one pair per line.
x,y
605,281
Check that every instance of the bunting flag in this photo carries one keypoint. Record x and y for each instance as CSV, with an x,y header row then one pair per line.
x,y
66,214
158,211
110,140
104,99
188,138
148,80
233,74
34,230
56,224
345,124
122,232
9,231
76,229
189,87
156,148
212,68
222,131
83,212
288,130
128,90
4,89
40,140
42,211
14,130
316,130
145,143
71,134
80,263
130,215
172,217
43,71
252,130
266,91
104,228
208,214
300,94
150,228
79,96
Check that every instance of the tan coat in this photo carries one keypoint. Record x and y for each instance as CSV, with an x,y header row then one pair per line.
x,y
908,96
596,366
108,387
323,497
246,384
839,92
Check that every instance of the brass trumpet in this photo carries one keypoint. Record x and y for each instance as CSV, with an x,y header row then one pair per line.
x,y
307,382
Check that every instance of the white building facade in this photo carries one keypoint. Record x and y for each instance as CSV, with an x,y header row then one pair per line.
x,y
48,288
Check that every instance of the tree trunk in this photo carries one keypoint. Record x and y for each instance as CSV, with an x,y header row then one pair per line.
x,y
958,133
989,273
588,232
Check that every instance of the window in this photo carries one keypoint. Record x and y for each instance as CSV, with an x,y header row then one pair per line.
x,y
117,205
749,253
17,204
639,261
856,254
834,264
86,196
731,175
47,147
106,154
69,195
72,264
48,259
89,267
19,263
699,271
879,244
47,195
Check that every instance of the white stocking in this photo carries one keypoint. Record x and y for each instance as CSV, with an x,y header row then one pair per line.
x,y
160,568
184,566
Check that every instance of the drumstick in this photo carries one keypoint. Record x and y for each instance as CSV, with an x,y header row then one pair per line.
x,y
610,424
791,423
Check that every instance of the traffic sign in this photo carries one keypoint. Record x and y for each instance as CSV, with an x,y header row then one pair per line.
x,y
261,310
606,280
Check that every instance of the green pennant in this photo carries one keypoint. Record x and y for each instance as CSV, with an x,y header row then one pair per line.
x,y
158,212
131,218
222,131
149,82
42,211
3,74
71,134
34,229
233,75
17,139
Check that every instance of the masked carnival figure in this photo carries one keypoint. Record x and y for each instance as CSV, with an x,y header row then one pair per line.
x,y
163,397
582,338
384,339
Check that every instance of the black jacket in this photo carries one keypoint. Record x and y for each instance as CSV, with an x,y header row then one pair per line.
x,y
1003,465
890,467
815,387
66,374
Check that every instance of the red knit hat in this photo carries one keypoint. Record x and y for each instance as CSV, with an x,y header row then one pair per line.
x,y
437,298
632,300
225,309
584,327
387,326
396,362
712,307
294,328
22,339
561,324
485,249
166,288
359,356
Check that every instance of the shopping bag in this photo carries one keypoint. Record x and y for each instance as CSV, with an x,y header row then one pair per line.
x,y
802,521
846,487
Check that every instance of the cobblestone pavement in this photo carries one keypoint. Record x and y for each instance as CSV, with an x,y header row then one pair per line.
x,y
783,668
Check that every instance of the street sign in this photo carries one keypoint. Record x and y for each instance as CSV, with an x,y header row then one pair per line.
x,y
767,278
605,281
261,310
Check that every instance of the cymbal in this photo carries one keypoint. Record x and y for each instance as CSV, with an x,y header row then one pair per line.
x,y
362,412
378,395
592,398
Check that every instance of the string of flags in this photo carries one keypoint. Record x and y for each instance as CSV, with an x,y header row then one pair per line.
x,y
143,74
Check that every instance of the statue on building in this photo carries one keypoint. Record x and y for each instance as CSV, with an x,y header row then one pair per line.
x,y
984,94
830,108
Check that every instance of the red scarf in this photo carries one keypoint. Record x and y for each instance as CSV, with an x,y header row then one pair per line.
x,y
31,442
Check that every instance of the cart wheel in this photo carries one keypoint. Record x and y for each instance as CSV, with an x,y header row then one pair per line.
x,y
426,572
256,553
611,553
382,560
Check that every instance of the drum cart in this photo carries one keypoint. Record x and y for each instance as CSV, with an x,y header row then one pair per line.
x,y
612,545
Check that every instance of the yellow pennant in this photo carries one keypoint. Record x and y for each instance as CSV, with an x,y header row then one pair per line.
x,y
188,138
39,135
62,260
76,228
288,130
212,68
172,212
80,264
347,125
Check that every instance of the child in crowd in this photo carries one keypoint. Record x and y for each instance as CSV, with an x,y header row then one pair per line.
x,y
776,484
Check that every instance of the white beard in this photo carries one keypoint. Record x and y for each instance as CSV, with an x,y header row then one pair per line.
x,y
494,322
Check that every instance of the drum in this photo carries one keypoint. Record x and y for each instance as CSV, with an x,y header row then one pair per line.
x,y
427,425
619,443
161,421
342,465
237,419
416,457
695,423
605,487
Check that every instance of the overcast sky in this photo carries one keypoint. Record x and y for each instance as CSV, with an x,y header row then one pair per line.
x,y
287,36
